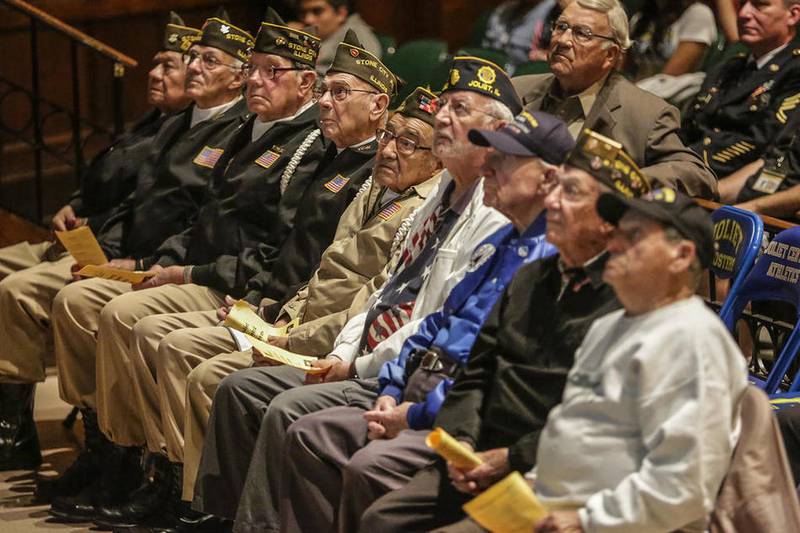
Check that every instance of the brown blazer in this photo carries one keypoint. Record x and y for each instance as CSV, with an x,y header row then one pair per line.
x,y
646,125
758,494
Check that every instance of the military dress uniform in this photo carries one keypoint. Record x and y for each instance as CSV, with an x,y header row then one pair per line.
x,y
741,108
39,271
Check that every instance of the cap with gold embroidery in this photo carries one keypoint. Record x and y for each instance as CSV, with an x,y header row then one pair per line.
x,y
469,73
352,58
606,160
178,37
530,134
669,208
276,38
419,104
219,33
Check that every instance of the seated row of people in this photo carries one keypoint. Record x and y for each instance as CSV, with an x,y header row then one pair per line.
x,y
398,243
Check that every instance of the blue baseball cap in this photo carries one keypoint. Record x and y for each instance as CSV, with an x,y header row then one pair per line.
x,y
530,134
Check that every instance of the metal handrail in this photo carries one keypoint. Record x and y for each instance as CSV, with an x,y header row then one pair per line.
x,y
39,106
72,32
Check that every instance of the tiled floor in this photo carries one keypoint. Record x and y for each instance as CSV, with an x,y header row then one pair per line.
x,y
18,512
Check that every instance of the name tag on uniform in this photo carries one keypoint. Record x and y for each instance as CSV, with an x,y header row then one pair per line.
x,y
769,181
208,157
267,159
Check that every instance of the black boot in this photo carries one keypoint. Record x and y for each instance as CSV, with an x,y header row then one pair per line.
x,y
165,519
19,442
85,468
152,498
120,474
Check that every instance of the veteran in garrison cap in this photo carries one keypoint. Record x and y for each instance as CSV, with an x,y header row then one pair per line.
x,y
32,274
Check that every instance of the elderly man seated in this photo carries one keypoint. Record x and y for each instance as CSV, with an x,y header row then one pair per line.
x,y
515,375
372,451
584,90
650,414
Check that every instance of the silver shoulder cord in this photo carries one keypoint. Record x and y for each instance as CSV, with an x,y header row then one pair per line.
x,y
288,172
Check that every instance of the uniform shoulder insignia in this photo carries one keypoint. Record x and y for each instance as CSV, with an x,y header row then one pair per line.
x,y
796,52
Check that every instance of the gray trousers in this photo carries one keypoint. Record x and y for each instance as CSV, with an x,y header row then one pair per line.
x,y
427,502
333,473
243,453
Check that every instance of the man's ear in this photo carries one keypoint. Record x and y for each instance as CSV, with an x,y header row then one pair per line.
x,y
238,81
794,15
684,256
308,78
380,104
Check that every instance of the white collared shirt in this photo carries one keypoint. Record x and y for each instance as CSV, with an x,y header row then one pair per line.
x,y
260,128
201,115
766,58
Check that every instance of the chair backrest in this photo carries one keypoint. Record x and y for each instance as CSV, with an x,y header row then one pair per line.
x,y
423,62
737,234
532,67
774,277
388,46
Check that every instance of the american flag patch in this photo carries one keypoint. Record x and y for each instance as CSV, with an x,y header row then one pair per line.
x,y
389,211
267,159
208,157
337,183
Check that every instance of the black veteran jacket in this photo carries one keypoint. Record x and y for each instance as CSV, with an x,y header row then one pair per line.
x,y
336,182
740,109
111,175
171,183
518,366
245,217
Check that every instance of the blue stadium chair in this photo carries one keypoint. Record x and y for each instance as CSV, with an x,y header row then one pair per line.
x,y
737,234
775,277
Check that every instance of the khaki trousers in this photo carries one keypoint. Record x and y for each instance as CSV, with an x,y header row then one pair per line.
x,y
76,311
161,393
26,298
21,256
94,327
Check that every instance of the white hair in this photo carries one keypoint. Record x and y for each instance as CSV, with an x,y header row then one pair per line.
x,y
500,110
617,18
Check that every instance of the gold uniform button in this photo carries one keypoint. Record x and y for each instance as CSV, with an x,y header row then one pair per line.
x,y
713,90
774,68
753,107
706,141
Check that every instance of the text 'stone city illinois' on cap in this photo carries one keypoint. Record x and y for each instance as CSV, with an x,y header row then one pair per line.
x,y
177,36
419,104
530,134
276,38
219,33
607,161
352,58
669,208
469,73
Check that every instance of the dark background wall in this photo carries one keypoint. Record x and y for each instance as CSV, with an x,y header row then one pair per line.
x,y
134,27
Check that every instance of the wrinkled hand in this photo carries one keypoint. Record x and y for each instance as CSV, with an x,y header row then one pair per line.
x,y
560,522
161,276
387,423
66,219
222,312
495,466
122,264
280,342
335,370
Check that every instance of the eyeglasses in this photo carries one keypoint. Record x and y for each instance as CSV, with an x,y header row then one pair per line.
x,y
338,92
457,107
208,60
405,145
581,34
265,73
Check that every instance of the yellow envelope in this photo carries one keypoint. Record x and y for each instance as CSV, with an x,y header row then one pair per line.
x,y
117,274
242,318
508,506
452,450
82,246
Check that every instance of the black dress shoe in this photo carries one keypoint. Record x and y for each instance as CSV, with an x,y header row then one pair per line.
x,y
19,441
82,472
120,475
153,497
204,523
